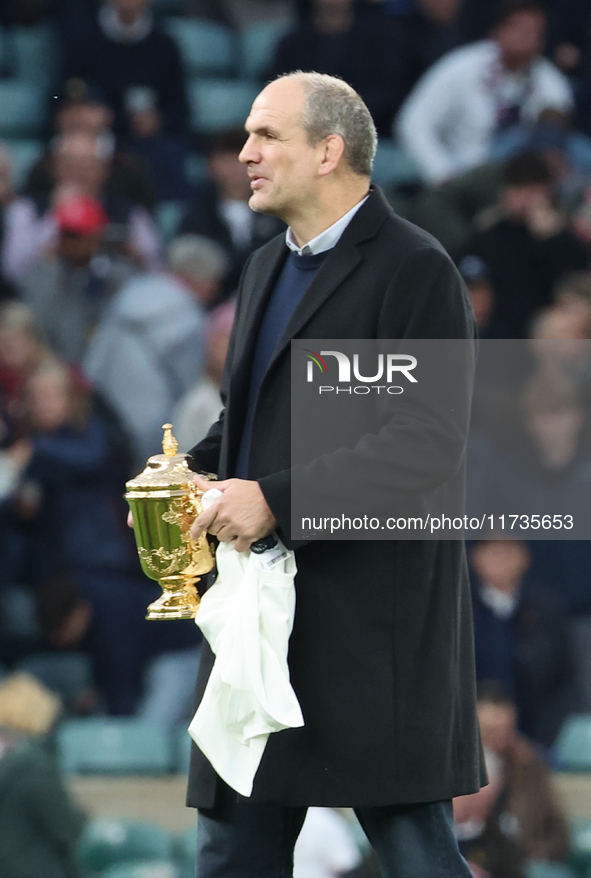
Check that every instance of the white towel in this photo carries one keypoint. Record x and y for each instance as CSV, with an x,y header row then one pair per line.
x,y
247,618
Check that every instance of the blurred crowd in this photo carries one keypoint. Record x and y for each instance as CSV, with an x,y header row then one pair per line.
x,y
122,239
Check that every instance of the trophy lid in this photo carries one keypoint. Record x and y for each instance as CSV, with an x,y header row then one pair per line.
x,y
166,471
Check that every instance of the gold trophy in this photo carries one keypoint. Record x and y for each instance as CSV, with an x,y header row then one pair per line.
x,y
164,502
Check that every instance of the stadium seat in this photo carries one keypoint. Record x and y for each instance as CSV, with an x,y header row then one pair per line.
x,y
573,745
168,217
580,846
106,842
117,745
186,848
163,8
257,47
142,869
23,155
23,109
205,46
539,869
34,54
182,747
217,104
196,169
67,673
393,166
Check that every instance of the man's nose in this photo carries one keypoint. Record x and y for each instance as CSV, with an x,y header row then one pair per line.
x,y
248,153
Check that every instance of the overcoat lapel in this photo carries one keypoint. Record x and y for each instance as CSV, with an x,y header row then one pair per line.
x,y
255,302
336,269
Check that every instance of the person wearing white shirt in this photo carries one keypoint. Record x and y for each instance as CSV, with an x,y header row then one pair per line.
x,y
450,119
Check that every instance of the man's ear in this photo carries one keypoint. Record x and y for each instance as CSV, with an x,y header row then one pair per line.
x,y
332,148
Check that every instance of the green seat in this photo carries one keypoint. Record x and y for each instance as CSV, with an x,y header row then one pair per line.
x,y
257,47
218,104
182,743
23,155
580,846
108,842
23,109
205,46
393,166
168,217
573,745
116,745
185,847
35,52
147,869
538,869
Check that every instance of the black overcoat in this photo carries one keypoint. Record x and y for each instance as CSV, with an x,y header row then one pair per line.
x,y
381,654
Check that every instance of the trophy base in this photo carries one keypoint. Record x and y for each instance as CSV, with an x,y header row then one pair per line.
x,y
179,600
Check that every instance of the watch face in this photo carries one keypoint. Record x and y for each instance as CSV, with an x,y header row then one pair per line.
x,y
263,544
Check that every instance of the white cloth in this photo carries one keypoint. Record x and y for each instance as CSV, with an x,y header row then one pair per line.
x,y
448,121
246,617
327,239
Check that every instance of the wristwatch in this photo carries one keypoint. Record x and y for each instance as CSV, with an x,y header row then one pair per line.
x,y
263,544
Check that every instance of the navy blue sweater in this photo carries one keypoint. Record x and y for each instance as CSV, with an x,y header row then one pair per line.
x,y
295,278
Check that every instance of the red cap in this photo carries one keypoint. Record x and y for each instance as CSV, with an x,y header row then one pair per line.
x,y
81,215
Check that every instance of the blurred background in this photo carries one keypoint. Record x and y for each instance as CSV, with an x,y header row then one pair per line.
x,y
124,225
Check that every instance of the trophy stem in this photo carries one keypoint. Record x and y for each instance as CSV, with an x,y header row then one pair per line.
x,y
179,599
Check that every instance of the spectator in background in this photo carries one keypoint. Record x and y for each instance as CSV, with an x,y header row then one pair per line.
x,y
165,155
490,848
82,113
450,119
122,50
22,351
433,25
455,210
482,296
81,166
220,210
567,150
39,823
528,246
572,298
370,52
7,193
201,405
79,529
149,348
69,289
520,817
521,638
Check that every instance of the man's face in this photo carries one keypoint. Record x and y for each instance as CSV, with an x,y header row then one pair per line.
x,y
129,10
501,563
282,165
76,163
522,38
520,201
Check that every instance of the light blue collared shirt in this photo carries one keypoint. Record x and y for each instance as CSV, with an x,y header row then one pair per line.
x,y
326,239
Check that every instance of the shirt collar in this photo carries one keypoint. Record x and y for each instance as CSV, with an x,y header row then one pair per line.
x,y
503,605
327,239
123,33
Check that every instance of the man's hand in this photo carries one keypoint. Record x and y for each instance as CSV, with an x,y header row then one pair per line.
x,y
240,514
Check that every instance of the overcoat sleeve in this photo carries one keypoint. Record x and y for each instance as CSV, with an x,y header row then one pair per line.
x,y
205,456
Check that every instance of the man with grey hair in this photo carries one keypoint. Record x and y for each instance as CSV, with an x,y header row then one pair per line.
x,y
148,348
380,656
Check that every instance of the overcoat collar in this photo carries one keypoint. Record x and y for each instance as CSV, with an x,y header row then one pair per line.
x,y
337,267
